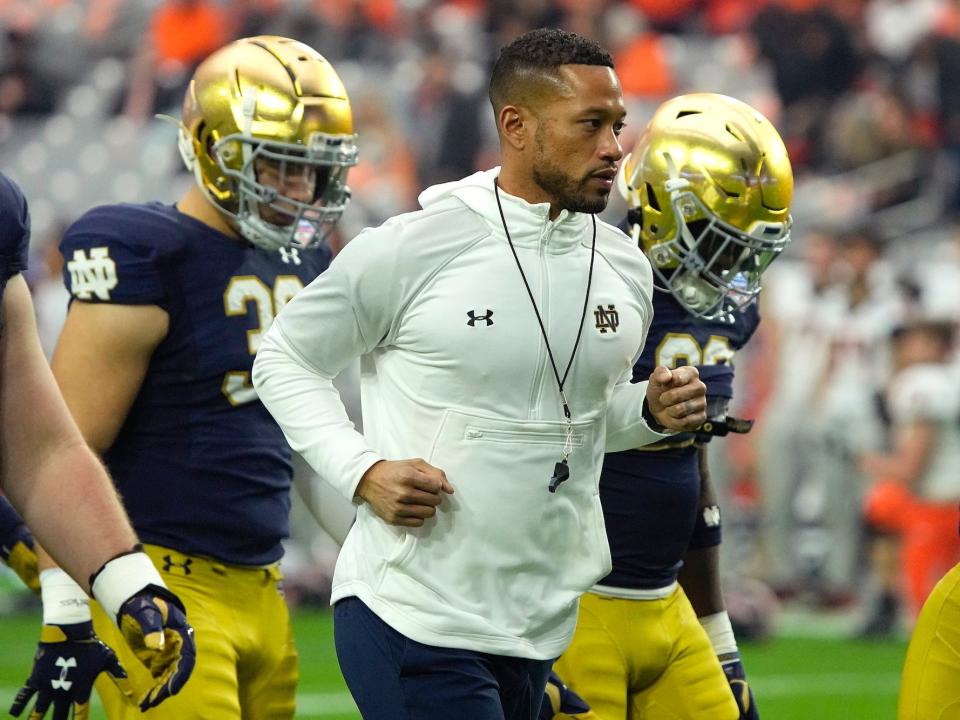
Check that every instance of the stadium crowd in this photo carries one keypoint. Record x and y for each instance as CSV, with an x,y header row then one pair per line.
x,y
864,93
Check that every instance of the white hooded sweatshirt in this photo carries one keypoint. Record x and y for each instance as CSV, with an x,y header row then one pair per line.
x,y
454,370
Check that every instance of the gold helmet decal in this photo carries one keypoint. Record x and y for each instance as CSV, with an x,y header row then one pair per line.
x,y
268,132
709,187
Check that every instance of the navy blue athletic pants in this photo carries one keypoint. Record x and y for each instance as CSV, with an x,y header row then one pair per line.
x,y
393,677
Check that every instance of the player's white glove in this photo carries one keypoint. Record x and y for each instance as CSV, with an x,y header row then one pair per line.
x,y
151,619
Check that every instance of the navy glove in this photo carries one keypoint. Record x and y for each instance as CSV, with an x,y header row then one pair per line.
x,y
558,698
16,546
69,658
733,669
154,624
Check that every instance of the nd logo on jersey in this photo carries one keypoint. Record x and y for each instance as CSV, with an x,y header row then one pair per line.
x,y
93,275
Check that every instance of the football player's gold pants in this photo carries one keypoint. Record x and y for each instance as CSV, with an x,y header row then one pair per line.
x,y
247,666
645,660
930,689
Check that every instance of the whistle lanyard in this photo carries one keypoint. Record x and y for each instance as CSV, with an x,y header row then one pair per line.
x,y
561,470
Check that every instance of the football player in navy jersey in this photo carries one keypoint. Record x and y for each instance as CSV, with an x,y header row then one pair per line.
x,y
17,548
169,304
51,476
709,186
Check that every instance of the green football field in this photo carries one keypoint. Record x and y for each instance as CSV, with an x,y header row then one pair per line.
x,y
793,678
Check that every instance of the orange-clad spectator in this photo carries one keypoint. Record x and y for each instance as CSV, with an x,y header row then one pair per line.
x,y
723,17
382,14
928,537
643,68
186,31
948,23
800,5
181,34
668,14
913,500
471,7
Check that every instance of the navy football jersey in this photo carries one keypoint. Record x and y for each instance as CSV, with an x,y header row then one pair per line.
x,y
199,462
12,527
14,231
650,496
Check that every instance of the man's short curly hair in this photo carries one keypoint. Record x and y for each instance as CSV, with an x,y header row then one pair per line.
x,y
535,57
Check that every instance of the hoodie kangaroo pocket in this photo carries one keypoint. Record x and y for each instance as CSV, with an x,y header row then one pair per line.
x,y
503,547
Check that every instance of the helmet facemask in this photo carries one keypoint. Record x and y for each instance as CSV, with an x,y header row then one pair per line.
x,y
711,267
287,194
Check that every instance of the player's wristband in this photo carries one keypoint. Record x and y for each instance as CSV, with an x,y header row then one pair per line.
x,y
64,602
720,632
121,578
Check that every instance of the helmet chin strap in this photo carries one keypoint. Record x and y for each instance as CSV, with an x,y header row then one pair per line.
x,y
697,294
254,228
625,186
635,230
184,141
699,297
248,110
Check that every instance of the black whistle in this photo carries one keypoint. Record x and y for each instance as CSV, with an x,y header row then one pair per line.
x,y
560,473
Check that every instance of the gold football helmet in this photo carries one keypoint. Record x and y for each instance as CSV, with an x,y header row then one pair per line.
x,y
268,132
709,186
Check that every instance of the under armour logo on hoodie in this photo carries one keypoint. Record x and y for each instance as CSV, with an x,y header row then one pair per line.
x,y
472,314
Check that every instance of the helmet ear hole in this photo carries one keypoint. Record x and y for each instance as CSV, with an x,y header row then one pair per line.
x,y
652,198
209,145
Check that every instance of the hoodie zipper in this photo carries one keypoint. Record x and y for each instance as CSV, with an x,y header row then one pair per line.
x,y
543,303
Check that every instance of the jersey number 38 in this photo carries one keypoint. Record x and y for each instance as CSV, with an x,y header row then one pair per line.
x,y
242,290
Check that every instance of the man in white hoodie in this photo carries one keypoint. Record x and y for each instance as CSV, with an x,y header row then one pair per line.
x,y
497,329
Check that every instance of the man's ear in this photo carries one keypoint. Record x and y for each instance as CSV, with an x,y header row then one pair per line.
x,y
517,125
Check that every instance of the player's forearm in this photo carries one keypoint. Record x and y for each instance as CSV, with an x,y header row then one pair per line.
x,y
906,464
915,446
886,467
700,579
700,574
70,505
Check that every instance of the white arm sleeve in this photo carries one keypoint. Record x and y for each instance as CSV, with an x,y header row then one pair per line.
x,y
346,312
